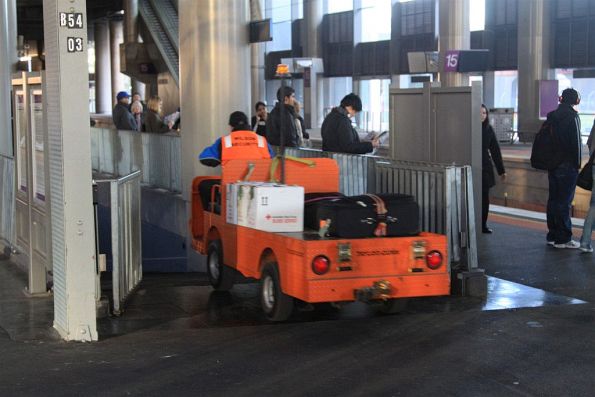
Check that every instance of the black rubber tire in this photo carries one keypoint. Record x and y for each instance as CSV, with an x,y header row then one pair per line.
x,y
276,305
220,276
393,306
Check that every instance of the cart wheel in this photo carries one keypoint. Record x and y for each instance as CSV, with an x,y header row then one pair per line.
x,y
276,305
221,277
392,306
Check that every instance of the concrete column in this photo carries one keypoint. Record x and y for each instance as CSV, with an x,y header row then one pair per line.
x,y
533,59
103,73
116,35
314,92
69,151
131,20
140,87
8,59
453,16
214,78
257,52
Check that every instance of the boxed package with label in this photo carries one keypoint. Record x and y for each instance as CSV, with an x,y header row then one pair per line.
x,y
270,207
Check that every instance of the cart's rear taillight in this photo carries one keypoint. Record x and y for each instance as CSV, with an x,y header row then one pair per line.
x,y
321,264
434,259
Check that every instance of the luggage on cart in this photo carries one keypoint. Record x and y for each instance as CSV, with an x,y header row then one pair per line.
x,y
311,203
366,216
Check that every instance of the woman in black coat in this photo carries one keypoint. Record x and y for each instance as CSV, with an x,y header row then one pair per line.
x,y
490,152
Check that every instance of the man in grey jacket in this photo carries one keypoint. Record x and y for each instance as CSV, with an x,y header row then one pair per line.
x,y
123,119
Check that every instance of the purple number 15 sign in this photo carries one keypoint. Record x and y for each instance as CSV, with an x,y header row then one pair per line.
x,y
451,61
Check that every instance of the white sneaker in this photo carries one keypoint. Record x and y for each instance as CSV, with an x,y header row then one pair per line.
x,y
586,249
551,243
571,244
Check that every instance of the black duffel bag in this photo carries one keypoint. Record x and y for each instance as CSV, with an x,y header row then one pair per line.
x,y
366,216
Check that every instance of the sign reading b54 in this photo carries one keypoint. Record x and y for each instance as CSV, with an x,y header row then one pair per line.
x,y
71,20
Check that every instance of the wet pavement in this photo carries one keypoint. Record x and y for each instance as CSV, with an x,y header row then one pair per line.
x,y
532,336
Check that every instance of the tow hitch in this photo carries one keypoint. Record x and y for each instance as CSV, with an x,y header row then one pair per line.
x,y
379,290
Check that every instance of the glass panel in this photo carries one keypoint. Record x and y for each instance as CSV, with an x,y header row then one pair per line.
x,y
335,89
586,88
477,10
21,136
339,6
38,153
281,10
281,37
375,102
376,20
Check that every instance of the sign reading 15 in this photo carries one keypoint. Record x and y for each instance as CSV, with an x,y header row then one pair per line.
x,y
452,60
71,20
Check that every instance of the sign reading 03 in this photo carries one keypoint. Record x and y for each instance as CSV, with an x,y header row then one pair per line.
x,y
74,44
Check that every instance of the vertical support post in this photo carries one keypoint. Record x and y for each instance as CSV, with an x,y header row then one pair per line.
x,y
454,35
533,59
103,74
257,56
73,231
7,60
116,35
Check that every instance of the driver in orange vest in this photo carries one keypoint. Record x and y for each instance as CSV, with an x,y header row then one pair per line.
x,y
241,143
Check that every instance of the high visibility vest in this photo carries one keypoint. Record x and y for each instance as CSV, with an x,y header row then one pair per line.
x,y
245,145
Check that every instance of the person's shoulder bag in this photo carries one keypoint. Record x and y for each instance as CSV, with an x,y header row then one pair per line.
x,y
585,177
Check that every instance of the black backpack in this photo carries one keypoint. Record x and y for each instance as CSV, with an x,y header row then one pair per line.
x,y
545,153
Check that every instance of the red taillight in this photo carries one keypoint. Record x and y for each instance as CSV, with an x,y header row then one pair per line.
x,y
321,264
434,259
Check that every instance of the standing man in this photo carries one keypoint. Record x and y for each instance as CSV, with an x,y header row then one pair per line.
x,y
338,135
259,121
562,179
123,119
283,119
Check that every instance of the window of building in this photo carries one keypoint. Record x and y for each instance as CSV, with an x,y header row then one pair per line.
x,y
333,6
335,88
586,88
280,13
375,20
477,10
375,105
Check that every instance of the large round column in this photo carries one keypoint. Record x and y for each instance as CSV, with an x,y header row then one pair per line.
x,y
103,73
533,59
454,35
214,81
257,51
8,58
116,33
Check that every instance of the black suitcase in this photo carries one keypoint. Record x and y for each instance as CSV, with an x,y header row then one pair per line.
x,y
364,216
311,203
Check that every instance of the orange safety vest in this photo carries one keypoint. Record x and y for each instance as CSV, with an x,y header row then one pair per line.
x,y
245,145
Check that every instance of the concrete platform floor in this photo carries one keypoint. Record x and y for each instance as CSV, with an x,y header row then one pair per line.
x,y
533,336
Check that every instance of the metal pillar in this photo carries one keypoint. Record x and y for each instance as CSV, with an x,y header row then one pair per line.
x,y
8,54
257,51
212,33
103,73
489,89
313,81
533,59
454,35
73,230
116,35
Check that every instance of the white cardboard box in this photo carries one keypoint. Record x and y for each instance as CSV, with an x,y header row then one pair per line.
x,y
231,211
270,207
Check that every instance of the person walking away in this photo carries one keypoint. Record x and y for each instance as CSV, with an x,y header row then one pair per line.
x,y
153,122
586,245
123,119
282,119
338,135
136,108
562,179
490,152
259,120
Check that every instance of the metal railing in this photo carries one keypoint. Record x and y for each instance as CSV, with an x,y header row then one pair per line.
x,y
120,153
127,267
7,202
444,194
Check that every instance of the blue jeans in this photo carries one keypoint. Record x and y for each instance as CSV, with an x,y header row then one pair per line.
x,y
588,227
562,184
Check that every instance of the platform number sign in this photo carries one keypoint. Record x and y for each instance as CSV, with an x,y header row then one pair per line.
x,y
74,44
71,20
451,61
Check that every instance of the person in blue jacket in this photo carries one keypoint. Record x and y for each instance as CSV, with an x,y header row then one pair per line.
x,y
241,142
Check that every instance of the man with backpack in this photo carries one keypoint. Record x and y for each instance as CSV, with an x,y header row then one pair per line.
x,y
566,128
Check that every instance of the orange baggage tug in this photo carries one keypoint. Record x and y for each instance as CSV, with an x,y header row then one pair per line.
x,y
309,267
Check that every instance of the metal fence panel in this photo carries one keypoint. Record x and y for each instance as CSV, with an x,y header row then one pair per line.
x,y
126,236
7,201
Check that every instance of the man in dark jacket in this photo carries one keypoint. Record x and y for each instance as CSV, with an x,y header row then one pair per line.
x,y
123,119
562,179
282,119
338,135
